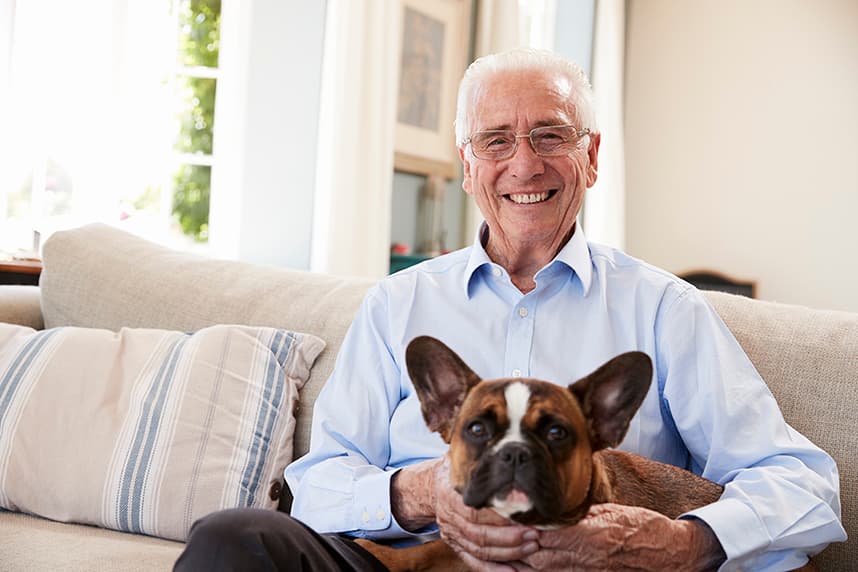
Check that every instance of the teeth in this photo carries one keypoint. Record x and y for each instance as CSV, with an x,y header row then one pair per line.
x,y
529,198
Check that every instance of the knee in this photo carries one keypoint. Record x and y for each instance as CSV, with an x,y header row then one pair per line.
x,y
225,540
217,527
236,526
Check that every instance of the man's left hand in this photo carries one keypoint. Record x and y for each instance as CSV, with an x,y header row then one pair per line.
x,y
618,537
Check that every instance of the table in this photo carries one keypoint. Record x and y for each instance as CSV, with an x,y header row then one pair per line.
x,y
14,271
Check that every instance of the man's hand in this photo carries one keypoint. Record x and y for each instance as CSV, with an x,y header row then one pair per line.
x,y
617,537
422,493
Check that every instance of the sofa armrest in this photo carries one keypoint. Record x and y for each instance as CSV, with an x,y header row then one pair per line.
x,y
21,305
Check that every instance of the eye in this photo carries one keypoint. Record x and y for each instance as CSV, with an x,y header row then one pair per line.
x,y
492,140
553,140
549,137
478,429
556,433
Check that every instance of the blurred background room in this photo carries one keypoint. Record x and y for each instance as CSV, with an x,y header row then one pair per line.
x,y
318,134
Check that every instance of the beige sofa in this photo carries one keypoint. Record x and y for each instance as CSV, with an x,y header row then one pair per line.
x,y
97,276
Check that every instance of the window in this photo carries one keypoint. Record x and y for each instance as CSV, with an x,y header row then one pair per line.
x,y
110,118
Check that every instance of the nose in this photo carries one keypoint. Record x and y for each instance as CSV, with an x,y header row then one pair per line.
x,y
514,455
525,163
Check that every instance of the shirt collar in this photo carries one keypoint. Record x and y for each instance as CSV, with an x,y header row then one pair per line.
x,y
575,254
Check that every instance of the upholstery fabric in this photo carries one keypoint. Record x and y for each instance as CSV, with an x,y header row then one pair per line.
x,y
809,359
33,544
99,277
20,305
147,430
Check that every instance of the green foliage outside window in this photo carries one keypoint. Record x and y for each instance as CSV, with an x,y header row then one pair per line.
x,y
199,22
192,185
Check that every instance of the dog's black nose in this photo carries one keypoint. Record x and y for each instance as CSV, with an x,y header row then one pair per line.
x,y
514,455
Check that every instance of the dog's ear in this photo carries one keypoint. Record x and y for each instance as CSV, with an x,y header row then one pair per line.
x,y
611,395
441,379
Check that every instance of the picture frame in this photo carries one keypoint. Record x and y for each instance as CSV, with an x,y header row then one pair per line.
x,y
433,55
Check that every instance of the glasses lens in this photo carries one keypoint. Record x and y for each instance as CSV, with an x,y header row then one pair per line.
x,y
555,139
493,144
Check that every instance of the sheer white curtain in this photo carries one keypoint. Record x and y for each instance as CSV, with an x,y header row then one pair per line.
x,y
605,205
351,225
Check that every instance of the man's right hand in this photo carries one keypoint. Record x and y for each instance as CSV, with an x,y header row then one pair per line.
x,y
422,493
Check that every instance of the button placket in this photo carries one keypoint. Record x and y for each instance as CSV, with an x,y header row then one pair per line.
x,y
520,338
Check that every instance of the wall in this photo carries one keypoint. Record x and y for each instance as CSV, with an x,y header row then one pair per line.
x,y
266,118
742,142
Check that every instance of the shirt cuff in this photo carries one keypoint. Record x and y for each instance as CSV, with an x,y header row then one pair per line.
x,y
372,513
738,529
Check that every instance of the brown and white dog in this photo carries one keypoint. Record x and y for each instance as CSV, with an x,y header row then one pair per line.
x,y
536,452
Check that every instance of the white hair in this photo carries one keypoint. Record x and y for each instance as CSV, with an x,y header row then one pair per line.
x,y
523,59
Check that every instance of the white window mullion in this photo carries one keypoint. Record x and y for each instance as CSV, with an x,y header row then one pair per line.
x,y
198,71
199,159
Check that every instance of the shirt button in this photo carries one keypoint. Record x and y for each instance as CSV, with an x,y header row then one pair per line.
x,y
365,517
522,312
496,271
516,373
380,514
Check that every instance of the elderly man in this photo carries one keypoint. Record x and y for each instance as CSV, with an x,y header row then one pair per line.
x,y
533,298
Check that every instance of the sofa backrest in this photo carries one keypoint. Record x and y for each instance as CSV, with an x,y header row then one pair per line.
x,y
99,277
809,359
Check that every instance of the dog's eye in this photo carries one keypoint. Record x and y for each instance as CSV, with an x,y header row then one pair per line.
x,y
556,433
478,429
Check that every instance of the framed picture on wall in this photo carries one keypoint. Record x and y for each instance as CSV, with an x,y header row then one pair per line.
x,y
434,53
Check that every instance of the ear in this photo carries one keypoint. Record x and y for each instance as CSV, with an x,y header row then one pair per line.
x,y
441,379
611,395
593,156
466,170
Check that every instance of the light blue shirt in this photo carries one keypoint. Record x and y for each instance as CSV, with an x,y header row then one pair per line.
x,y
707,410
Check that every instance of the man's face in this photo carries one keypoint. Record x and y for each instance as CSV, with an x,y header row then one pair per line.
x,y
505,190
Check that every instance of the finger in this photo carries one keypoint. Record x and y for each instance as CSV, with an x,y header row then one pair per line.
x,y
495,553
485,566
494,536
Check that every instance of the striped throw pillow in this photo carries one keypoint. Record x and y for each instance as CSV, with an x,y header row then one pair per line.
x,y
147,430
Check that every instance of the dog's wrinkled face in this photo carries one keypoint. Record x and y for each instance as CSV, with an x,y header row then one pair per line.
x,y
519,446
523,446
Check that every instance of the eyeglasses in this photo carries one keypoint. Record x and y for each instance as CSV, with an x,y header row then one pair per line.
x,y
549,141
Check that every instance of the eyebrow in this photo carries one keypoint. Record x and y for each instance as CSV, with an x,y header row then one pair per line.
x,y
542,123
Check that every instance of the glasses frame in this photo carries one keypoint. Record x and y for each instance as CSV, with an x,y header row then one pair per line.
x,y
580,133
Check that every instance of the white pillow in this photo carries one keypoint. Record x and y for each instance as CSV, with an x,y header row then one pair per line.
x,y
147,430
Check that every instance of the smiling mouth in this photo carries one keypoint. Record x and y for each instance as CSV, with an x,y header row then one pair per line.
x,y
530,198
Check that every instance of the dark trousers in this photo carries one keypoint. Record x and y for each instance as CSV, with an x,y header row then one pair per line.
x,y
265,540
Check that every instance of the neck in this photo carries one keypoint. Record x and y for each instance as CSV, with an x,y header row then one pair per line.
x,y
522,260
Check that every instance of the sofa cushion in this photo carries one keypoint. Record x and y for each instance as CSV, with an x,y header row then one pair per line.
x,y
97,276
20,305
28,543
147,430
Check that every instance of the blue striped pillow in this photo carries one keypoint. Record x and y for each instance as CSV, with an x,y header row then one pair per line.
x,y
147,430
